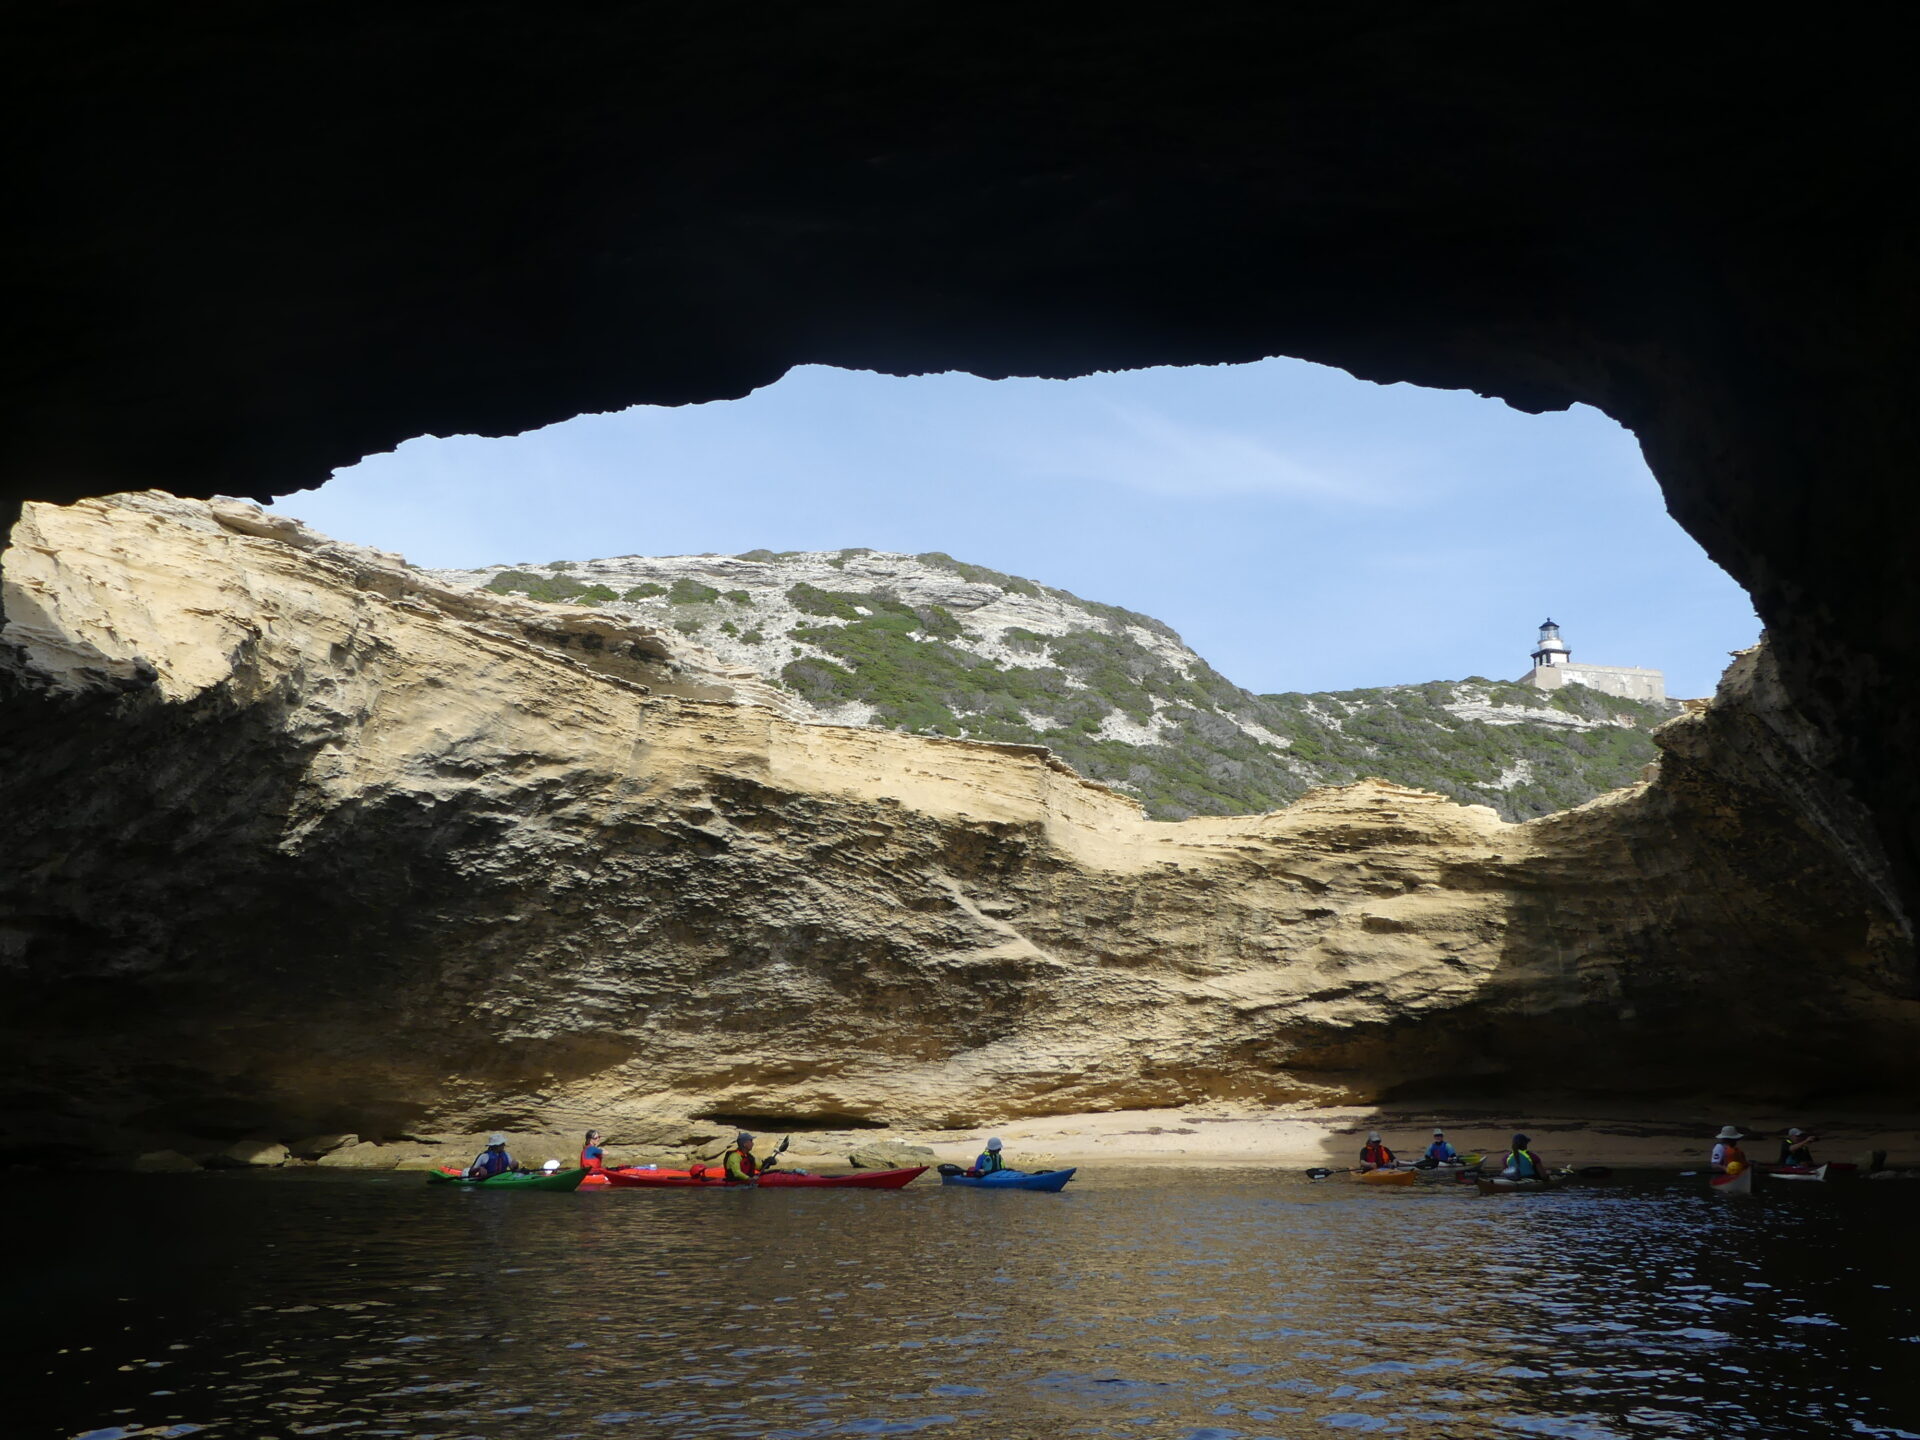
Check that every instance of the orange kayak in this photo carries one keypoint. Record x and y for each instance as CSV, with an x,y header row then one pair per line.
x,y
1385,1177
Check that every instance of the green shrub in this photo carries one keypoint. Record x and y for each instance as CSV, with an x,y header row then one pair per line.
x,y
691,592
561,565
553,589
644,592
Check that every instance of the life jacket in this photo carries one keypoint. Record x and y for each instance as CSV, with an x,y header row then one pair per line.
x,y
1524,1165
1727,1152
593,1158
738,1160
1374,1153
988,1163
490,1163
1441,1151
1795,1152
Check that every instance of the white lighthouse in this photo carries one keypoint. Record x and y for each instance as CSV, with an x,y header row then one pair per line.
x,y
1553,668
1550,650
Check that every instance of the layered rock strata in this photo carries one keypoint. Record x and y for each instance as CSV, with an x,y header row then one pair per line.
x,y
302,840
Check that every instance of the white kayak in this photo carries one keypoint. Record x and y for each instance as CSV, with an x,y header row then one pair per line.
x,y
1818,1172
1741,1184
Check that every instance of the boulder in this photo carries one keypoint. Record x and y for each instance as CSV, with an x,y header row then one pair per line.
x,y
316,1146
890,1155
248,1155
165,1162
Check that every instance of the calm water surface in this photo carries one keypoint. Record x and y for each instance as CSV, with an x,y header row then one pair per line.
x,y
1222,1306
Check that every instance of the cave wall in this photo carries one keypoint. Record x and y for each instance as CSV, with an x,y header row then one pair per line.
x,y
260,241
358,851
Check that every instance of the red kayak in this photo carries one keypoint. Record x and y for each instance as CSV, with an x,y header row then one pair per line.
x,y
715,1177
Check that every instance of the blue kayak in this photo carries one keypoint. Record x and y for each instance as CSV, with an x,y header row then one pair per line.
x,y
1012,1180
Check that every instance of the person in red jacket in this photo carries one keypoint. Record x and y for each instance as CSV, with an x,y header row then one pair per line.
x,y
593,1156
1374,1155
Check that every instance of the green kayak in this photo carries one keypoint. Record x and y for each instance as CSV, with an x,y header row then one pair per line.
x,y
558,1180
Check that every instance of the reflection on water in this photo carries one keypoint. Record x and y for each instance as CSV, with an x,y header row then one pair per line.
x,y
1223,1306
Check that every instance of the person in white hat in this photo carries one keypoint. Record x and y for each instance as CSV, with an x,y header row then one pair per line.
x,y
1375,1155
1440,1152
1797,1149
1726,1150
492,1161
990,1159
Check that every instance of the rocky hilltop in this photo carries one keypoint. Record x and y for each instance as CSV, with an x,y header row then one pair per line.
x,y
326,844
935,646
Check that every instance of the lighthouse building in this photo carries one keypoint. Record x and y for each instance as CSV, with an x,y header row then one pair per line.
x,y
1553,667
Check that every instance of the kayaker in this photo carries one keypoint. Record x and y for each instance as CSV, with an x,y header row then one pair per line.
x,y
1440,1152
593,1155
1374,1155
989,1160
492,1161
1726,1151
1522,1163
1797,1149
740,1165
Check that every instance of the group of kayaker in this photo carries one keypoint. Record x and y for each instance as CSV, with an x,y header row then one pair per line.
x,y
1522,1163
1727,1158
739,1162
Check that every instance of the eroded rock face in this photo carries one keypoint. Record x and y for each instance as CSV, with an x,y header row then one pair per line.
x,y
321,845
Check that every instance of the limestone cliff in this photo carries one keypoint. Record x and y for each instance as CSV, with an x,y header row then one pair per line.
x,y
302,840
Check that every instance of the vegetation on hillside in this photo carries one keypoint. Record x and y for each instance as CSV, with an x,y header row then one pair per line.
x,y
1121,700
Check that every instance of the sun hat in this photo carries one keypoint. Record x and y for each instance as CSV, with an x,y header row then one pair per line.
x,y
1728,1132
1441,1134
495,1139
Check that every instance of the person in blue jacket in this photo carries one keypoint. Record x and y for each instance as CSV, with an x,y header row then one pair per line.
x,y
492,1161
1440,1152
989,1160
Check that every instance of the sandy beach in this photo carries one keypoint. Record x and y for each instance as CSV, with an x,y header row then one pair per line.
x,y
1652,1137
1203,1135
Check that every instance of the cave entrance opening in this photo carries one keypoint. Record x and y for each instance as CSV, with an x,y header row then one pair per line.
x,y
1209,586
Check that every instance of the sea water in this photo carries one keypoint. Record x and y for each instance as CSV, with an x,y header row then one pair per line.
x,y
1209,1305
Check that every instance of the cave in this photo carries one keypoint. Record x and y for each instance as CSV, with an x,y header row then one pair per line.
x,y
260,244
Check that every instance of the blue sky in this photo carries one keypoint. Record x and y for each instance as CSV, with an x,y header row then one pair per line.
x,y
1303,530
